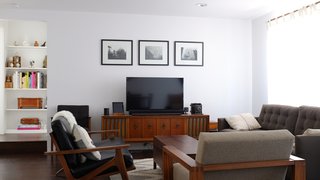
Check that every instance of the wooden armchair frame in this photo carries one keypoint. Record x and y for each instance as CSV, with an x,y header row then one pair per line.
x,y
196,170
118,159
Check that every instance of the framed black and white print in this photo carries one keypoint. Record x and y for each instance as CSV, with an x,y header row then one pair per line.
x,y
188,53
116,52
153,52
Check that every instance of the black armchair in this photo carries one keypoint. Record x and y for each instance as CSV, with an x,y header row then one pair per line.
x,y
69,156
80,112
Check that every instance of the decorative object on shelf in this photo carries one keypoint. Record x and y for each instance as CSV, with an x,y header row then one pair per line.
x,y
32,63
188,53
25,43
29,103
16,61
8,83
116,52
9,62
117,108
196,108
33,120
44,44
35,44
153,52
45,61
15,43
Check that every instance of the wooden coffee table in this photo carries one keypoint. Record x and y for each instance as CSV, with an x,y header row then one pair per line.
x,y
184,143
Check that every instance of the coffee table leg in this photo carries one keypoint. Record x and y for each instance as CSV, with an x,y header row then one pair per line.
x,y
154,165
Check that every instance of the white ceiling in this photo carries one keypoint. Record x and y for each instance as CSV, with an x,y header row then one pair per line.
x,y
240,9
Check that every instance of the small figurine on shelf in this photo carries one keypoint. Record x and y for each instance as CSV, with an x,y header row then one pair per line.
x,y
15,43
8,83
32,63
45,61
36,44
16,61
44,44
9,62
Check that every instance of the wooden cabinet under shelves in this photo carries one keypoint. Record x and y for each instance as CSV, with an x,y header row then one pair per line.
x,y
144,128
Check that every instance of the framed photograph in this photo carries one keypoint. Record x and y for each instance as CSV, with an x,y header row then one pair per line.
x,y
117,108
188,53
153,52
116,52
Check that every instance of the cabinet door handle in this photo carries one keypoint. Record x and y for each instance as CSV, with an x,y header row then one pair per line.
x,y
177,126
163,126
149,126
135,126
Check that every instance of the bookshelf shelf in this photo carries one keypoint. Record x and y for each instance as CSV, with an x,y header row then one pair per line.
x,y
27,110
25,89
15,131
25,69
27,47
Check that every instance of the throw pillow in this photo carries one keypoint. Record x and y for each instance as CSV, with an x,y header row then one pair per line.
x,y
83,140
236,122
244,121
250,121
312,132
67,119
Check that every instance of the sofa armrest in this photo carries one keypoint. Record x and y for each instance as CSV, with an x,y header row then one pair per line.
x,y
223,124
308,147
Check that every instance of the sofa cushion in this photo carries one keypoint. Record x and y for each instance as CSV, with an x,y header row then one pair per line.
x,y
83,140
309,117
311,132
245,146
278,117
244,121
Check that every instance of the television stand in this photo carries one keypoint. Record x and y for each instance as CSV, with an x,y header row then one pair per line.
x,y
142,128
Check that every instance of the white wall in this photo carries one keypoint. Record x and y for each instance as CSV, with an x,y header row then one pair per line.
x,y
75,76
259,64
2,76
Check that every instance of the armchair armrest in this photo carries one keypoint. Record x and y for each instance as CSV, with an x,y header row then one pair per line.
x,y
196,170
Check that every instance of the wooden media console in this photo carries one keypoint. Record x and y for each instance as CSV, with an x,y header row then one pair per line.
x,y
137,128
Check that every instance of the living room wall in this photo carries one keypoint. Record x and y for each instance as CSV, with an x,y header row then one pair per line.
x,y
223,85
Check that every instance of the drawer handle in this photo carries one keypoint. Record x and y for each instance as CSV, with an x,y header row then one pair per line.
x,y
149,126
177,126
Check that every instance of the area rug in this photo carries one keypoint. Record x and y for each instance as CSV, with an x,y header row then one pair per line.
x,y
144,171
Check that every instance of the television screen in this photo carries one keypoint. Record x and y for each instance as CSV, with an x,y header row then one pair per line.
x,y
145,95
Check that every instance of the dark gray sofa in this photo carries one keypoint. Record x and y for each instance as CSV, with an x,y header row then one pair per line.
x,y
296,120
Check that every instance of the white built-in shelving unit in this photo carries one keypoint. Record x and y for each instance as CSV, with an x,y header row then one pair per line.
x,y
20,37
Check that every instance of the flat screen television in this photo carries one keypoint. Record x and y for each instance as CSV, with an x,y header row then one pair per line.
x,y
154,95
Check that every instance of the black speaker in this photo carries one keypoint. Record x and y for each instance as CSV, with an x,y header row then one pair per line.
x,y
196,108
106,111
185,110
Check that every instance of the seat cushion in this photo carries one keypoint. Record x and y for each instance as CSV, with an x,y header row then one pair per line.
x,y
91,165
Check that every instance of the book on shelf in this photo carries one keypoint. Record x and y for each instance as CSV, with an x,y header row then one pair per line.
x,y
29,80
29,127
30,121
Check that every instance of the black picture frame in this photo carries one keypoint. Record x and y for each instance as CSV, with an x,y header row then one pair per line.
x,y
188,53
153,52
116,52
117,108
